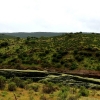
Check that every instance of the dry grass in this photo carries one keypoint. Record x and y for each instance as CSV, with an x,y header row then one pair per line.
x,y
30,94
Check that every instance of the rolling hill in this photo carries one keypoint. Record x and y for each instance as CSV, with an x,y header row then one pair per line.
x,y
67,51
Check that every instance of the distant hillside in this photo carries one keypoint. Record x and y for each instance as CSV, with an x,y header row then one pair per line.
x,y
2,36
34,34
67,51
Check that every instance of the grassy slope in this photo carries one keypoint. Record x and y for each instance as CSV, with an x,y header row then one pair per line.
x,y
30,94
71,51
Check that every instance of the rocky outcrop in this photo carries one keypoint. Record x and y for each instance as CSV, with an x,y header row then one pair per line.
x,y
65,79
73,80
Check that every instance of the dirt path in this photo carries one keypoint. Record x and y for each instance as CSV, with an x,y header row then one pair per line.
x,y
83,73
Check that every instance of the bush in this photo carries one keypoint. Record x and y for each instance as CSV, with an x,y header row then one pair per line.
x,y
42,97
54,59
79,58
43,81
22,84
29,81
66,65
63,94
83,91
1,60
16,80
4,44
58,65
19,83
65,88
3,93
75,52
35,87
98,68
97,54
48,88
73,98
62,62
73,66
45,64
12,86
2,82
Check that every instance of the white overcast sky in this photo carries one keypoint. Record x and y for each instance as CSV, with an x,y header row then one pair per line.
x,y
49,15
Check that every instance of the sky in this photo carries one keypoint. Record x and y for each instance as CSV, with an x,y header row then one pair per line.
x,y
50,16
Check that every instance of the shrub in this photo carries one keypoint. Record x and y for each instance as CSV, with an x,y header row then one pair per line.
x,y
79,58
58,65
4,44
28,87
2,82
4,93
42,97
29,81
16,80
1,60
66,65
73,66
97,54
4,56
35,87
59,56
19,83
12,86
22,84
62,62
83,91
63,94
75,52
48,88
54,59
65,88
45,64
43,81
73,98
98,68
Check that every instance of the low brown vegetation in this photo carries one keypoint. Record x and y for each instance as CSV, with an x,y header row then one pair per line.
x,y
45,91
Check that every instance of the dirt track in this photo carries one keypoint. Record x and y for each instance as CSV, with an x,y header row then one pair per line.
x,y
84,73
